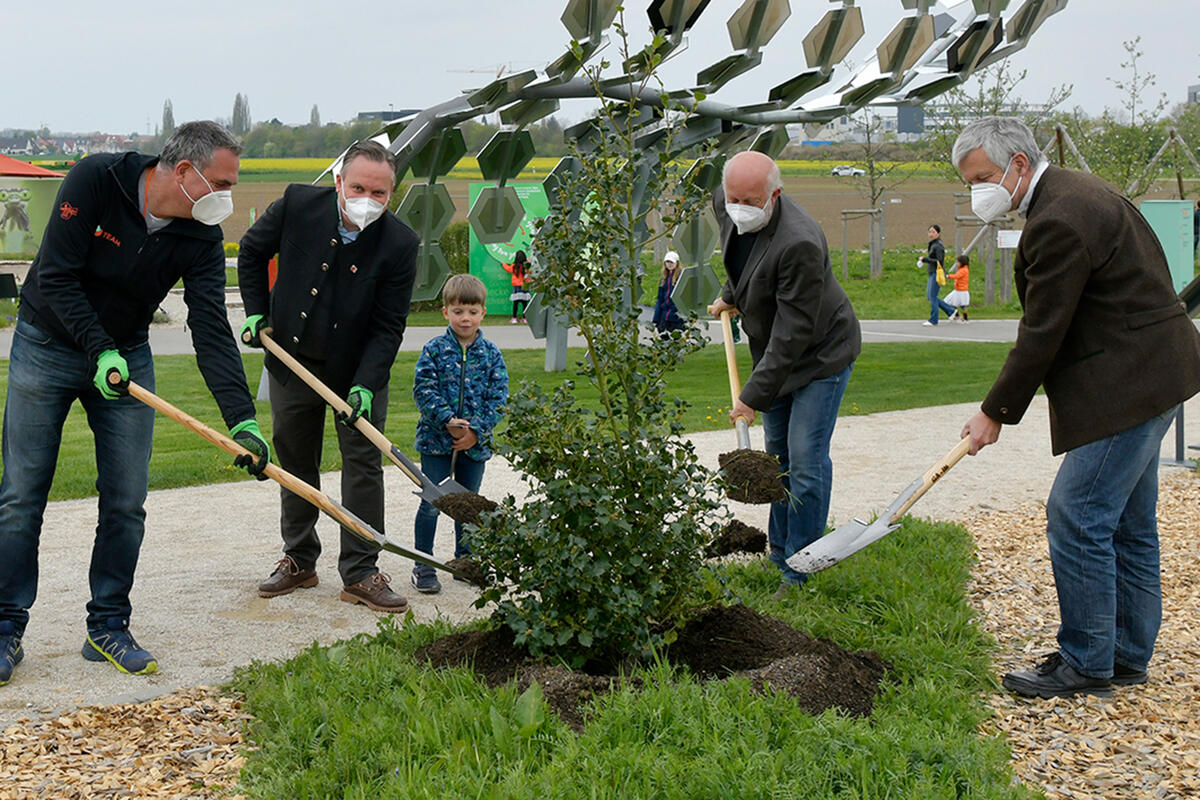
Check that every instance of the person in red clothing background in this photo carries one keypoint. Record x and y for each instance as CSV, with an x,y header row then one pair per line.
x,y
960,296
520,295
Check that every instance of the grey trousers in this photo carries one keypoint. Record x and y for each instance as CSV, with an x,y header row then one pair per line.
x,y
298,419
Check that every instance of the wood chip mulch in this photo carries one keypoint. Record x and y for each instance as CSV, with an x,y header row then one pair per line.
x,y
186,744
1145,741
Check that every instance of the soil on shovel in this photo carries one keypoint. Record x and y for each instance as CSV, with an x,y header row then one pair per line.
x,y
470,569
464,507
737,537
752,476
717,642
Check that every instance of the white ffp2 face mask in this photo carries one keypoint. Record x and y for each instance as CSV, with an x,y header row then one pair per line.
x,y
214,207
362,211
990,201
748,219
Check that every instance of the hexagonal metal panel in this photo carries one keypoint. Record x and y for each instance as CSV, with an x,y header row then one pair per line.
x,y
496,214
505,155
675,16
583,18
698,286
697,239
771,141
427,209
432,271
753,25
439,155
832,38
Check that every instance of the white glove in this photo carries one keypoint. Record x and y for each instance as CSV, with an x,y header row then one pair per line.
x,y
920,263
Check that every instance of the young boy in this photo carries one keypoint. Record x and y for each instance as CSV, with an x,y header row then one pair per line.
x,y
960,298
460,387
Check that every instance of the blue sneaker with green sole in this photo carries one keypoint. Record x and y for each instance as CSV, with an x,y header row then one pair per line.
x,y
11,651
114,643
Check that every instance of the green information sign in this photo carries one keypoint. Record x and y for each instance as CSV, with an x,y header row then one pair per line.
x,y
487,261
25,208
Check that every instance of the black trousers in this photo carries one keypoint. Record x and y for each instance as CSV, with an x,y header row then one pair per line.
x,y
298,418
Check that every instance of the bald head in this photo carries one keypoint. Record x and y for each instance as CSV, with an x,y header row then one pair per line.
x,y
751,178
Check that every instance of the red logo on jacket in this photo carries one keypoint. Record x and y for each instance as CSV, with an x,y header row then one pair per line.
x,y
66,210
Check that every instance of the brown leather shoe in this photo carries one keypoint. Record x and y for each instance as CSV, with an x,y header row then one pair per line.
x,y
374,593
286,578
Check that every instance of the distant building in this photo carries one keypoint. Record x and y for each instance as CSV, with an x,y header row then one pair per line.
x,y
1194,93
17,146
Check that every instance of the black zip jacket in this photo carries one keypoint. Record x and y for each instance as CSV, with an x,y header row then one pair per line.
x,y
99,276
935,256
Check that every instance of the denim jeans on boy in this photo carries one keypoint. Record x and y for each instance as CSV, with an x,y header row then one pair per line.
x,y
469,473
797,429
931,292
44,378
1100,522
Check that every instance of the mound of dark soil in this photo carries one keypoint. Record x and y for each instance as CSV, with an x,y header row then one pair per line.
x,y
464,507
752,476
470,569
717,642
737,537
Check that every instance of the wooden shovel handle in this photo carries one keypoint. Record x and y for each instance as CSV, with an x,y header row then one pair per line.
x,y
935,473
277,474
735,383
364,426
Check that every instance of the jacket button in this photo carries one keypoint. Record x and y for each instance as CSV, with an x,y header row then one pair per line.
x,y
303,315
333,242
313,291
295,340
1004,410
324,267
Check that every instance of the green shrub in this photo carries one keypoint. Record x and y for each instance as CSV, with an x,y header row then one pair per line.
x,y
603,558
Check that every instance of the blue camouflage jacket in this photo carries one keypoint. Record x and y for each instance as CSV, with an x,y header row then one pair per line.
x,y
455,381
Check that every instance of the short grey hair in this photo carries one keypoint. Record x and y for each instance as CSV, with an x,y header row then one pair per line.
x,y
196,142
774,177
1001,138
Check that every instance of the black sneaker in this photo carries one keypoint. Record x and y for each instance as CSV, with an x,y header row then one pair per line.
x,y
1054,677
11,651
424,580
1128,676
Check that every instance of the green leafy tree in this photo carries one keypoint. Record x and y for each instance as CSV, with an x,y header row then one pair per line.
x,y
604,556
314,117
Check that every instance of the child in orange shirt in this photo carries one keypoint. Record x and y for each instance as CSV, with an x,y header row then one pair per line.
x,y
960,297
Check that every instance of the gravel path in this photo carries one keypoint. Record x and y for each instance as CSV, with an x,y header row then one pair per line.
x,y
206,549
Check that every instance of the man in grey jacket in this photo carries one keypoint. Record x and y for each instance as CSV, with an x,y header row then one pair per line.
x,y
804,338
1104,332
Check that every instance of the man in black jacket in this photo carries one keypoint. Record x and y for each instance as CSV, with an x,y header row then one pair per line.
x,y
125,229
804,338
339,305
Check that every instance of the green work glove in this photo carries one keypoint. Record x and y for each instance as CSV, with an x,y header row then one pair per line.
x,y
250,437
109,363
359,400
251,328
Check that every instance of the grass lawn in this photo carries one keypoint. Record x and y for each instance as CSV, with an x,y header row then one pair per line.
x,y
364,719
886,377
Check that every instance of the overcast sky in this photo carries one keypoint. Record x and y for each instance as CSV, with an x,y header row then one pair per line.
x,y
87,66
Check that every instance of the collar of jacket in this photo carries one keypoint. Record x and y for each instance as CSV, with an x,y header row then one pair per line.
x,y
453,338
127,170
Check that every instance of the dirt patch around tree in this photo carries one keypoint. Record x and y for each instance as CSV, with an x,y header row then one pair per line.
x,y
716,643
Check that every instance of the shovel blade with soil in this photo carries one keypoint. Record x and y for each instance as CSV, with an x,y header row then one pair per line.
x,y
751,476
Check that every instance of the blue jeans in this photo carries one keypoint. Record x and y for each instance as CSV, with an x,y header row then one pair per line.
x,y
469,473
931,291
1100,522
797,429
44,378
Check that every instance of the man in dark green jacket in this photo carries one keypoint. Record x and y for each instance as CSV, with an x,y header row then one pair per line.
x,y
125,229
1106,335
338,305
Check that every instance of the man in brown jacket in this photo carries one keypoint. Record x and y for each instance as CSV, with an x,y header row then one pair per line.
x,y
1104,332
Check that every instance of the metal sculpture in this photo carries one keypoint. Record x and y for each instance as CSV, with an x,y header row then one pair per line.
x,y
923,55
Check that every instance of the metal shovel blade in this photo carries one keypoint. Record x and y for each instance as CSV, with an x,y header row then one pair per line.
x,y
429,490
843,542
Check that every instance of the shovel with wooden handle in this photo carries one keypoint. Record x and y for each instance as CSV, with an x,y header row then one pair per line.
x,y
735,384
428,490
339,513
856,534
